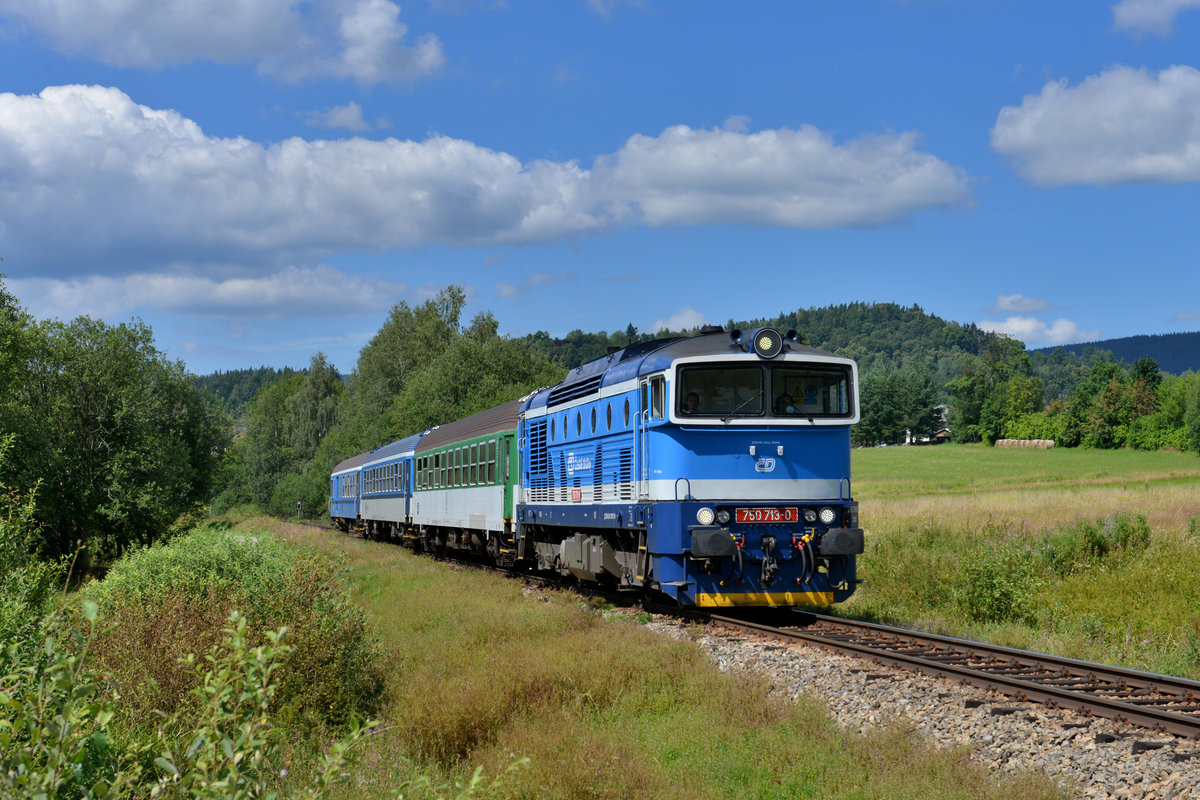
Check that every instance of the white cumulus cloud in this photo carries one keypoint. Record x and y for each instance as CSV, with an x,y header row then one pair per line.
x,y
509,291
1123,125
683,319
1018,304
94,182
1033,332
1156,16
363,40
794,178
320,291
349,116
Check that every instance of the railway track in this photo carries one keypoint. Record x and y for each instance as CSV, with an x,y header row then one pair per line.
x,y
1156,702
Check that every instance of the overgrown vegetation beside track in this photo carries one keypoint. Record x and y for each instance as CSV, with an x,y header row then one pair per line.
x,y
151,684
1083,553
484,673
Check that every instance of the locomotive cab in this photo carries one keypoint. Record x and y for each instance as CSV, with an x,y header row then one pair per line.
x,y
754,460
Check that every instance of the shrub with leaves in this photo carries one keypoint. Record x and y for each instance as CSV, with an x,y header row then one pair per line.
x,y
1000,586
232,754
27,583
1086,542
54,740
174,598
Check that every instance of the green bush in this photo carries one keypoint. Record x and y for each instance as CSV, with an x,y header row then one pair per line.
x,y
53,723
231,752
56,739
1088,542
27,583
1000,585
172,599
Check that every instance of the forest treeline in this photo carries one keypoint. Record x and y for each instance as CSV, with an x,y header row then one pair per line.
x,y
1175,353
117,441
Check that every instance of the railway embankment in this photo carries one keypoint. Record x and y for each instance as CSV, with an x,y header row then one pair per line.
x,y
1088,756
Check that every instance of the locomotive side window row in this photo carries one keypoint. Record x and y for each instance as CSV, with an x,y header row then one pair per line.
x,y
468,465
566,425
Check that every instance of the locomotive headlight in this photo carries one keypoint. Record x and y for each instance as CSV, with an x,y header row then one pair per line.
x,y
827,516
705,516
723,516
810,516
768,343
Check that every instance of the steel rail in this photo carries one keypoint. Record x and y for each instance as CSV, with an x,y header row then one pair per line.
x,y
1114,679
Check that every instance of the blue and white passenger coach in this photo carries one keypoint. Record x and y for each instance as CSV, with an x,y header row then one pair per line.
x,y
714,469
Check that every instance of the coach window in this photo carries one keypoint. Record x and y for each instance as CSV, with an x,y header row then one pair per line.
x,y
492,461
474,464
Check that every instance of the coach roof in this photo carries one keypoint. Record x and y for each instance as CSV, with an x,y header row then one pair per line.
x,y
352,463
405,446
493,420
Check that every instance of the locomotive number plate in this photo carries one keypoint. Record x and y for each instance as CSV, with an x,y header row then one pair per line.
x,y
790,514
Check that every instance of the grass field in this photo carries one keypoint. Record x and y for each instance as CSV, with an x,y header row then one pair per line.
x,y
1087,553
482,672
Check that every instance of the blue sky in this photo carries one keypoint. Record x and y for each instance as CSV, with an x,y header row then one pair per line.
x,y
260,180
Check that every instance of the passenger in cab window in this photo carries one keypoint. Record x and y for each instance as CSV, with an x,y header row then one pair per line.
x,y
691,403
784,405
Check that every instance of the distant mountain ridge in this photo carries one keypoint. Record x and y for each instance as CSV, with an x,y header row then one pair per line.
x,y
1175,353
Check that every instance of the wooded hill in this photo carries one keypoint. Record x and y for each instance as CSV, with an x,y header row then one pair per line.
x,y
1175,353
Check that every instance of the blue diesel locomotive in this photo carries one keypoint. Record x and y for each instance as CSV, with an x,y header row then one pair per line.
x,y
712,469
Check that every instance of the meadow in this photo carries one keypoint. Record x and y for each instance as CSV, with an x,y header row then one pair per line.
x,y
1090,554
549,695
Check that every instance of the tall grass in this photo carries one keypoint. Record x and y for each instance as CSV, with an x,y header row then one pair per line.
x,y
1088,554
483,672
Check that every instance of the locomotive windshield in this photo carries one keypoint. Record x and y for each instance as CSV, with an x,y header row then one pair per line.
x,y
757,390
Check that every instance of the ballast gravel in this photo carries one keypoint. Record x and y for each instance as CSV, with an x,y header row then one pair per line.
x,y
1090,757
